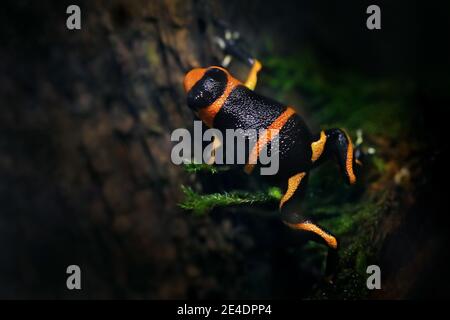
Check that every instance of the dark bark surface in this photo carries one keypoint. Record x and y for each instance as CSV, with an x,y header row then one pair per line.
x,y
86,176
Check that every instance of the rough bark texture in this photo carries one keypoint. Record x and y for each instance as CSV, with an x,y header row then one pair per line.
x,y
93,111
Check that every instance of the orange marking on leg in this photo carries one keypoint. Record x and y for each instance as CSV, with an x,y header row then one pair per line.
x,y
209,113
267,136
293,184
252,77
311,227
349,161
317,146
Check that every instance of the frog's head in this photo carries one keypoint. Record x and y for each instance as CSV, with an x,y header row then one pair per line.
x,y
204,86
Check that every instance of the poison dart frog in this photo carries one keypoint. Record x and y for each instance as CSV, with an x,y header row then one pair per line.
x,y
223,102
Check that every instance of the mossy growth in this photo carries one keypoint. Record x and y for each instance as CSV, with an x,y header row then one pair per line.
x,y
342,98
201,204
354,224
198,167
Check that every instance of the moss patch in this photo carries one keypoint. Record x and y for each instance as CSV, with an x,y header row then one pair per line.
x,y
203,203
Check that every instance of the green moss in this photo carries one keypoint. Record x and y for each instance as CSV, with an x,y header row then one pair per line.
x,y
203,167
354,224
275,193
342,99
203,203
197,167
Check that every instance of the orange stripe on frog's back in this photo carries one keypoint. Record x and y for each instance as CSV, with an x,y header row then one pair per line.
x,y
208,114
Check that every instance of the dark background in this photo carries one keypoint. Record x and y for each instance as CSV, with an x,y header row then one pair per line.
x,y
85,173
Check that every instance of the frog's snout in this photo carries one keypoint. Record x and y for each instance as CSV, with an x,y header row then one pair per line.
x,y
192,77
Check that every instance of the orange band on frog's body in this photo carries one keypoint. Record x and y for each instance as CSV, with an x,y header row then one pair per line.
x,y
267,137
208,114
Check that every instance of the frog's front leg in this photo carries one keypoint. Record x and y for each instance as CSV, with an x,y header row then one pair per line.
x,y
336,144
289,207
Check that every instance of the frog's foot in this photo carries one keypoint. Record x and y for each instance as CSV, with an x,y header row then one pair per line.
x,y
230,43
359,153
336,143
233,50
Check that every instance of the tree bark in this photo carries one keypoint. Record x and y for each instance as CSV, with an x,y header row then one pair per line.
x,y
85,165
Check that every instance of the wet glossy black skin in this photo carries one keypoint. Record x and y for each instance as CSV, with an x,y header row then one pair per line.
x,y
246,109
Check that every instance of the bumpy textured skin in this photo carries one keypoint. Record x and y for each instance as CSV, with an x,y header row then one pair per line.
x,y
245,109
295,147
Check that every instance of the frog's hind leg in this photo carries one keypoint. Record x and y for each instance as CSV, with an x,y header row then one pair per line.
x,y
336,143
289,207
229,44
320,235
297,222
